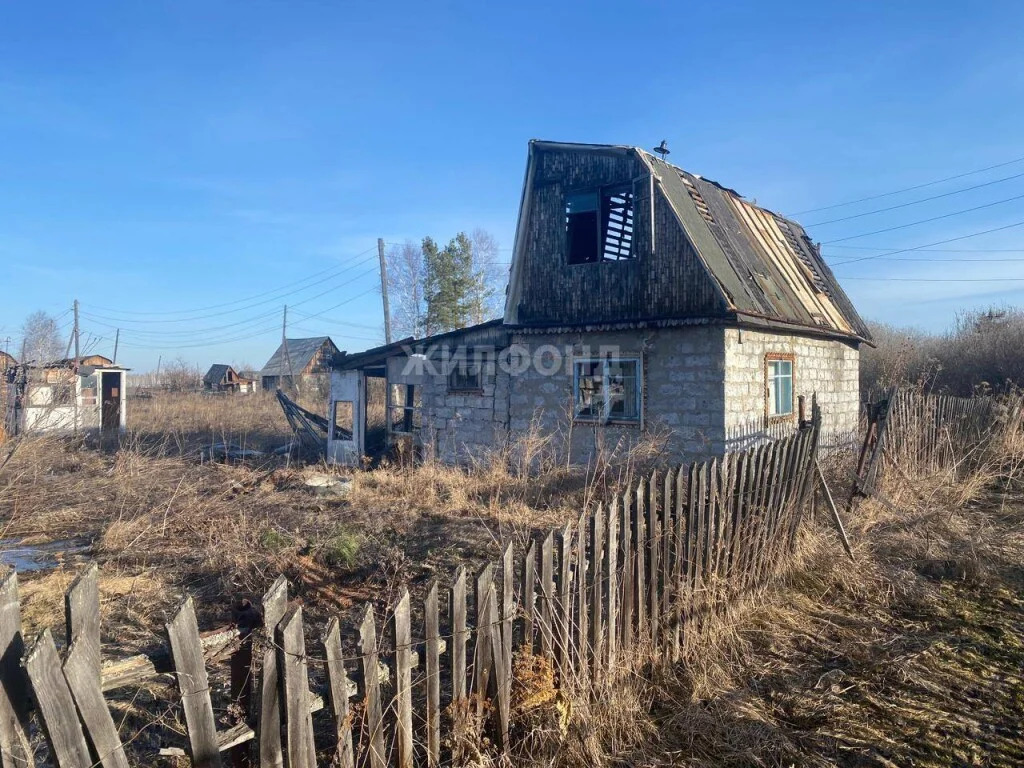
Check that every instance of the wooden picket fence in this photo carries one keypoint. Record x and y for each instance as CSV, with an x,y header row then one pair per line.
x,y
626,586
912,435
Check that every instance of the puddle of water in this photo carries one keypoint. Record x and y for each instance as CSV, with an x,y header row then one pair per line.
x,y
39,557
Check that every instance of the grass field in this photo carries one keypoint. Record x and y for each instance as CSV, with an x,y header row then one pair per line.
x,y
910,656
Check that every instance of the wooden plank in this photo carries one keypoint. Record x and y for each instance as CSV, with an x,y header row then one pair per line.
x,y
668,535
528,597
82,617
639,561
402,627
374,720
432,631
15,748
337,687
692,538
546,623
194,686
84,683
294,687
654,564
501,685
611,569
679,595
457,612
508,609
55,705
275,603
563,604
482,660
581,629
628,574
837,521
596,560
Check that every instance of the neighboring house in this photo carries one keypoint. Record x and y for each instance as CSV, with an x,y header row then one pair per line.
x,y
306,362
56,398
6,361
224,378
643,302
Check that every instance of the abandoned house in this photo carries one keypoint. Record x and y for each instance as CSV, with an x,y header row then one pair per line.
x,y
224,378
60,398
644,303
299,363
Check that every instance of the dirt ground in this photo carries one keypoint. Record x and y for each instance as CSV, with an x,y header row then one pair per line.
x,y
912,656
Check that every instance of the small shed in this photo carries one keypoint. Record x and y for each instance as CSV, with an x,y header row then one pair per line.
x,y
299,363
62,398
224,378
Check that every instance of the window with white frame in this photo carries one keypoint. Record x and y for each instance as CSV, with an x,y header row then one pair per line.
x,y
608,389
779,378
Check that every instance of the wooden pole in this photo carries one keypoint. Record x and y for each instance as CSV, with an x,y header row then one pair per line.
x,y
835,512
74,380
117,341
384,289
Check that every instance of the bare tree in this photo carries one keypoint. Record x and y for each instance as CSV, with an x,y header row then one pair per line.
x,y
488,299
40,338
406,274
181,376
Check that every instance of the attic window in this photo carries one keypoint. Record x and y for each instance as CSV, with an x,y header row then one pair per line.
x,y
599,225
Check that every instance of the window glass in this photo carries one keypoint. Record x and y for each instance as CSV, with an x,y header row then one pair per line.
x,y
780,387
608,389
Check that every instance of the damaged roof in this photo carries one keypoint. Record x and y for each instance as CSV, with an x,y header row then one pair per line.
x,y
300,351
764,265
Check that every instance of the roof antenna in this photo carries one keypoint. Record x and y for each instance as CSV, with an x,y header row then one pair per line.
x,y
662,149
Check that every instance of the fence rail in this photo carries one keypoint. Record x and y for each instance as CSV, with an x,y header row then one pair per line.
x,y
623,586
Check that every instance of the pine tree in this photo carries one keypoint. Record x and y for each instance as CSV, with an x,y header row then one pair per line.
x,y
451,284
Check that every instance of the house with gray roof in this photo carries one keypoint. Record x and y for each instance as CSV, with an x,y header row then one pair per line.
x,y
224,378
645,303
298,363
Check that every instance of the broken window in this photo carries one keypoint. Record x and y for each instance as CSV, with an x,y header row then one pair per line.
x,y
404,411
608,390
599,225
344,419
779,379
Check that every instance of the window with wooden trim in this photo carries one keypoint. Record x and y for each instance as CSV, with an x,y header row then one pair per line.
x,y
599,225
608,389
779,384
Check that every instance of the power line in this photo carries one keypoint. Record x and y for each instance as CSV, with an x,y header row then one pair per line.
x,y
240,301
907,189
925,221
240,309
916,202
932,250
929,245
99,319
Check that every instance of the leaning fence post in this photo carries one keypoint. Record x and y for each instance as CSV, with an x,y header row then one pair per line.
x,y
275,602
93,709
432,628
194,686
371,681
337,682
15,749
82,616
402,629
55,705
294,689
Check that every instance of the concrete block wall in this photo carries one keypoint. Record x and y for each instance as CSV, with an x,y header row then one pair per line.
x,y
830,369
461,427
683,391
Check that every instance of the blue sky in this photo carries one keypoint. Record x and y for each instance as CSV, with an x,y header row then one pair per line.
x,y
160,159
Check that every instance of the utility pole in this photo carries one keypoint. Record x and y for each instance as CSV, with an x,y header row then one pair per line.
x,y
75,380
117,340
284,345
156,382
384,290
